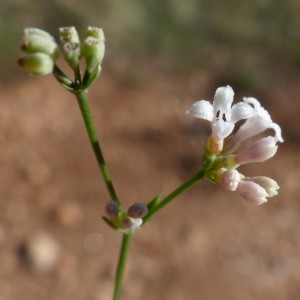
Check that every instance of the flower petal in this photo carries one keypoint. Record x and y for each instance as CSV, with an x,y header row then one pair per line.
x,y
202,109
222,129
251,127
258,123
241,111
222,101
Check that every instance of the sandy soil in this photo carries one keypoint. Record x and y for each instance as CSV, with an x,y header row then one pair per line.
x,y
208,244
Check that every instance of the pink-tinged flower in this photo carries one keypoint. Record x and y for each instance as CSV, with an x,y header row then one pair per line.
x,y
257,124
221,115
259,151
252,192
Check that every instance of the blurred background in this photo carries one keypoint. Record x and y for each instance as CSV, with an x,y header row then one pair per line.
x,y
161,56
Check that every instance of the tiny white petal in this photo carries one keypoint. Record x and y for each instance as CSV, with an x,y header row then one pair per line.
x,y
222,129
137,222
255,103
241,111
202,109
258,123
251,127
277,130
223,99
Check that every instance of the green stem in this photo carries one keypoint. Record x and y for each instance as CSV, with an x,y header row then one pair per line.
x,y
182,188
81,96
121,265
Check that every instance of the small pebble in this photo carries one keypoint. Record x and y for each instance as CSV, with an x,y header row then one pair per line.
x,y
42,251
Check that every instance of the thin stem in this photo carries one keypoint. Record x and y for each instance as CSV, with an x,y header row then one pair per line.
x,y
62,78
121,265
182,188
81,96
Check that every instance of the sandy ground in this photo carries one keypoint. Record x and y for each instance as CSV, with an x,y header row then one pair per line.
x,y
208,244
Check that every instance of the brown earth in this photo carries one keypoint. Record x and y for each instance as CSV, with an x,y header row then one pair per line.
x,y
208,244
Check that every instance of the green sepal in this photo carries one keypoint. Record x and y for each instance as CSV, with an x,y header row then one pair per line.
x,y
109,223
90,78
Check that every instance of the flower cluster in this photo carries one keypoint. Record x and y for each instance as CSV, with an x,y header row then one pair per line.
x,y
40,50
125,220
224,149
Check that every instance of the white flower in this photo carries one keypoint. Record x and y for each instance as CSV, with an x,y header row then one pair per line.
x,y
221,115
257,123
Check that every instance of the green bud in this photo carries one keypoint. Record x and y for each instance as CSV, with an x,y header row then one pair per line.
x,y
37,40
93,48
37,63
36,31
70,45
69,35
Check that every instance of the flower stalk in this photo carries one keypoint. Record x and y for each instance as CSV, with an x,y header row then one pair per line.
x,y
82,100
126,240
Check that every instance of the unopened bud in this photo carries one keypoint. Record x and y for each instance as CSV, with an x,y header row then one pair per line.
x,y
69,35
215,145
137,210
229,179
70,45
93,49
36,40
36,31
260,151
95,32
267,183
112,209
252,192
37,63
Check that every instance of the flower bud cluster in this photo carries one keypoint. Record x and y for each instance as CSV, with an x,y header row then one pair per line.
x,y
226,151
126,220
40,51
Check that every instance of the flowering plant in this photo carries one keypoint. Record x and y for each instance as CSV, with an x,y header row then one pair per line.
x,y
226,149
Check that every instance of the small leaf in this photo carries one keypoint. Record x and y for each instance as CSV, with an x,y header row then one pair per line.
x,y
153,202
